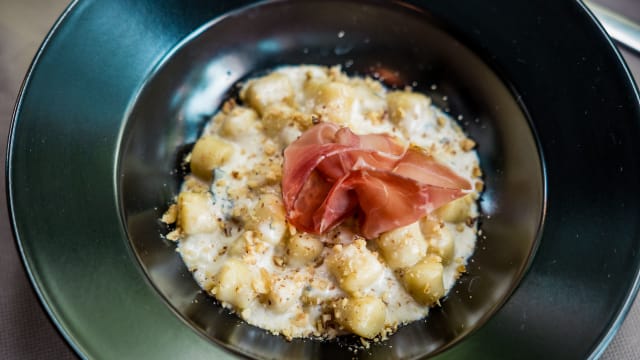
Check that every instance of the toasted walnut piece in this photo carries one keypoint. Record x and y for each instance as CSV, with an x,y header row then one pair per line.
x,y
171,215
267,172
467,144
476,171
174,235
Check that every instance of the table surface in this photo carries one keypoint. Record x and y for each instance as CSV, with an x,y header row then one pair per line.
x,y
25,330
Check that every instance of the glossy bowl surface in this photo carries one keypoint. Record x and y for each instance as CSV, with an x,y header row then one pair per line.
x,y
117,89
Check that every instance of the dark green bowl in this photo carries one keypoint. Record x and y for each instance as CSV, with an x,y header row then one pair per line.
x,y
121,89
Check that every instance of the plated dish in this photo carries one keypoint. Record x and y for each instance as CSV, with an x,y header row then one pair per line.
x,y
106,141
320,204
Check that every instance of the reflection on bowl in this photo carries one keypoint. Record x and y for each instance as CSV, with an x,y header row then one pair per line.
x,y
404,47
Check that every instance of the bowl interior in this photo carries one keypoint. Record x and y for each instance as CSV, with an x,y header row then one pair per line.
x,y
403,46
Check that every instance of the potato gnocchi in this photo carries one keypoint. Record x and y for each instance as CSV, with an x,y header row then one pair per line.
x,y
233,234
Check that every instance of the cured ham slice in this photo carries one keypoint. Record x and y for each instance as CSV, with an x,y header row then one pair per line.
x,y
330,173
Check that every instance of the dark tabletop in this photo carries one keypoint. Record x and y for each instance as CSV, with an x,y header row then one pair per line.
x,y
25,330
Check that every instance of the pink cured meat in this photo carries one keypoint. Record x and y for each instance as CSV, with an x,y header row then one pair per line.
x,y
330,173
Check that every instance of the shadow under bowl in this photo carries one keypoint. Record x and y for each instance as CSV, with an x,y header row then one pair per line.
x,y
404,47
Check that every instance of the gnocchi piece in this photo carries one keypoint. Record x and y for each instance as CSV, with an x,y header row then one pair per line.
x,y
407,105
430,226
370,96
403,247
354,266
208,153
248,247
270,206
268,219
280,116
333,101
303,249
267,90
424,281
195,213
289,134
239,122
283,295
277,117
234,284
240,246
456,211
363,316
442,245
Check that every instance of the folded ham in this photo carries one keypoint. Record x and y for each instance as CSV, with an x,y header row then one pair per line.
x,y
330,173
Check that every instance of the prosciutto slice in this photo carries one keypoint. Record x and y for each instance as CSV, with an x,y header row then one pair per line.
x,y
330,173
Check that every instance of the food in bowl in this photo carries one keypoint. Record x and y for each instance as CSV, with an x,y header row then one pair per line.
x,y
321,204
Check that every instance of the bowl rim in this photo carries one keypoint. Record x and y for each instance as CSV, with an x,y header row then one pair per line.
x,y
24,259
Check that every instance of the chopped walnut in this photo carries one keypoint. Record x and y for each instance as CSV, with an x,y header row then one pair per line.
x,y
171,215
467,144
